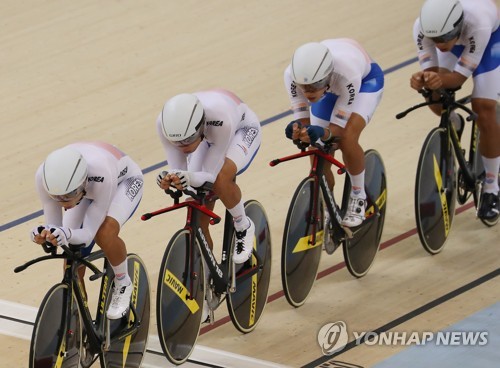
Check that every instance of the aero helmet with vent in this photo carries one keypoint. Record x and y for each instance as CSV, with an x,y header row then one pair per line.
x,y
441,20
64,174
182,119
312,65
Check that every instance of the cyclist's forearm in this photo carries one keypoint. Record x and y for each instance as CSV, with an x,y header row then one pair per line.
x,y
81,236
452,80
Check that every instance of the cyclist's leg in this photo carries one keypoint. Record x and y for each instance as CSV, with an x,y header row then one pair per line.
x,y
489,147
240,154
126,200
486,90
353,155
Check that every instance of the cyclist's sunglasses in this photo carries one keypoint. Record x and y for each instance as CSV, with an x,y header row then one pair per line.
x,y
191,139
69,196
314,87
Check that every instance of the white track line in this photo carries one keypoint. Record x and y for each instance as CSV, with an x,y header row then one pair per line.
x,y
204,355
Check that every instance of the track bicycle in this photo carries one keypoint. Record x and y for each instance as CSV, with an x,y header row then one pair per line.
x,y
446,174
65,335
305,231
183,282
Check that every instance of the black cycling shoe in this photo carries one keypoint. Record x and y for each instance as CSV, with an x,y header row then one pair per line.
x,y
490,207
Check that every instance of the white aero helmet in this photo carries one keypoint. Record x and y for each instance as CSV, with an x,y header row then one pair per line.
x,y
182,119
312,65
64,174
441,20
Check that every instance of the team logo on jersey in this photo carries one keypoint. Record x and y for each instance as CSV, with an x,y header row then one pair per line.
x,y
97,179
293,89
133,187
472,43
249,136
123,172
420,37
352,93
215,122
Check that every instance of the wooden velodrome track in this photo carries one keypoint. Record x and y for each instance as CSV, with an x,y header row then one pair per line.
x,y
91,70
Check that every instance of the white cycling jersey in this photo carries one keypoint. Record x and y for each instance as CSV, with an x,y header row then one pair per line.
x,y
232,130
356,85
114,188
481,19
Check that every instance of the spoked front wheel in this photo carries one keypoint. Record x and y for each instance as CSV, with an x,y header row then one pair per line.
x,y
435,191
247,303
299,257
180,296
361,249
57,338
130,350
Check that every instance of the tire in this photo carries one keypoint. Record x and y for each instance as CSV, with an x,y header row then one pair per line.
x,y
247,303
360,251
130,351
179,318
299,259
51,336
435,191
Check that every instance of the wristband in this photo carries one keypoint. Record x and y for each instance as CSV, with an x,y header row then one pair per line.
x,y
329,136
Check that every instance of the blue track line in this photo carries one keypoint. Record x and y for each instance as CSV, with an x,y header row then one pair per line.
x,y
154,167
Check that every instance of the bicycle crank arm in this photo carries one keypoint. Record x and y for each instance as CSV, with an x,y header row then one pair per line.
x,y
232,289
107,342
348,232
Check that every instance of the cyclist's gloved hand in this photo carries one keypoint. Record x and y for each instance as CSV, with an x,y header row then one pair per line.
x,y
62,235
183,176
315,132
289,128
36,231
160,177
301,145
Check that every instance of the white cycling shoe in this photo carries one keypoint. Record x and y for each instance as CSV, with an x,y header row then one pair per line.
x,y
355,214
244,244
120,301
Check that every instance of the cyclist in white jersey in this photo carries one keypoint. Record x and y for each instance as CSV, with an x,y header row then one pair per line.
x,y
456,40
99,188
334,88
211,136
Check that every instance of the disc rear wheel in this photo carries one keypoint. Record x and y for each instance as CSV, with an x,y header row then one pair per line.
x,y
130,351
360,251
247,303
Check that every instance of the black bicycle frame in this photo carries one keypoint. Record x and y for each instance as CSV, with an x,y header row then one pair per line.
x,y
449,104
95,333
219,272
319,177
